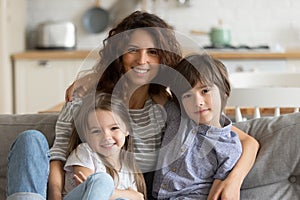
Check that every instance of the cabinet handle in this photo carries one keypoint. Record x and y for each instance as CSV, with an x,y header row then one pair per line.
x,y
239,68
44,63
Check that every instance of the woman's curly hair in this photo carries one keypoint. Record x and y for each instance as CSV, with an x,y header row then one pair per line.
x,y
110,66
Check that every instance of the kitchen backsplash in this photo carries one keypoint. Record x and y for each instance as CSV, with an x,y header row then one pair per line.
x,y
252,22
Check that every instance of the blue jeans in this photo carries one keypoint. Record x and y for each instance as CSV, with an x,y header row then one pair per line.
x,y
97,186
28,171
28,167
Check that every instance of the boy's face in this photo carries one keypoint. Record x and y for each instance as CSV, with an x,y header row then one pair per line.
x,y
203,104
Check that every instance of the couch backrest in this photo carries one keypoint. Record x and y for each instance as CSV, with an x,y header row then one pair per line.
x,y
276,171
11,126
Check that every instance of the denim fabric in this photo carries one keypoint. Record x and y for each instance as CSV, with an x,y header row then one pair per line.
x,y
97,186
28,166
25,196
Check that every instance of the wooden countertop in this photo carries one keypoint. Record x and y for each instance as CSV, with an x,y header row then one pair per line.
x,y
54,54
230,54
255,54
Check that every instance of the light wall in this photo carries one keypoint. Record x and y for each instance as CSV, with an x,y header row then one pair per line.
x,y
12,39
252,22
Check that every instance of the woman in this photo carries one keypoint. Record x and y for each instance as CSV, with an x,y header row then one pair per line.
x,y
133,57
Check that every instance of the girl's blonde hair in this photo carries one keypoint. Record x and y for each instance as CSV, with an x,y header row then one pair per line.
x,y
107,102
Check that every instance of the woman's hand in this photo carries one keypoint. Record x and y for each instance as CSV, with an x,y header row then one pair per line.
x,y
69,93
81,86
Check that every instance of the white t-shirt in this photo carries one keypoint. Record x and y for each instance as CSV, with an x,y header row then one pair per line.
x,y
84,156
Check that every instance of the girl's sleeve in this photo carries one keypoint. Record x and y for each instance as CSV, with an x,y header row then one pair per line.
x,y
81,156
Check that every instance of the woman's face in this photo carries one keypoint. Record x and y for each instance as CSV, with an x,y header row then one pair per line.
x,y
141,60
106,133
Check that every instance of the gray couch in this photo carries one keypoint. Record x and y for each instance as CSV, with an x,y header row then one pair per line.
x,y
275,175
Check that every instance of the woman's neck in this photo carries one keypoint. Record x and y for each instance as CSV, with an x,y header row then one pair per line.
x,y
139,97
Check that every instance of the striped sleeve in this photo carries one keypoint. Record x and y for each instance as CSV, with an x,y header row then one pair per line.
x,y
63,130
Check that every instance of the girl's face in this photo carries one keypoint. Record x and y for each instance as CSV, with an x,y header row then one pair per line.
x,y
140,60
106,134
203,104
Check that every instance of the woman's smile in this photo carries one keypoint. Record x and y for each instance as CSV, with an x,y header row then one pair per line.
x,y
140,60
140,70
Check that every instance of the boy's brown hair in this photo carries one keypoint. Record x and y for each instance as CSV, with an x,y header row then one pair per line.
x,y
204,69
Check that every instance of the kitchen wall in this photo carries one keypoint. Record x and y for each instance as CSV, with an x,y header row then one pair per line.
x,y
12,33
252,22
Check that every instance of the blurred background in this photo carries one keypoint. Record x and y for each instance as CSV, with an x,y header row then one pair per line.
x,y
271,25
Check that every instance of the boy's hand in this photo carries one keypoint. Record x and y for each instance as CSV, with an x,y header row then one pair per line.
x,y
127,194
224,190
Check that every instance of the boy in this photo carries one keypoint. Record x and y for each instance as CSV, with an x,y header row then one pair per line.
x,y
204,150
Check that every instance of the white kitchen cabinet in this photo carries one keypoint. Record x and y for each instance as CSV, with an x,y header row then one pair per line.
x,y
252,65
293,65
41,84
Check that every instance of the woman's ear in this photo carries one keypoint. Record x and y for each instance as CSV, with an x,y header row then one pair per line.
x,y
225,96
127,133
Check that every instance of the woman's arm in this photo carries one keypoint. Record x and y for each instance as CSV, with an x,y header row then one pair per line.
x,y
56,180
58,152
230,187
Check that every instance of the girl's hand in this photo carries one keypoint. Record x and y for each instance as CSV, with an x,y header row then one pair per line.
x,y
79,178
134,194
224,190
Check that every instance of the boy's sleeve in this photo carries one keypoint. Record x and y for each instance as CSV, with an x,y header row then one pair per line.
x,y
228,150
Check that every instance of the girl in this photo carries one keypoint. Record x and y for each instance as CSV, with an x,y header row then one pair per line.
x,y
104,126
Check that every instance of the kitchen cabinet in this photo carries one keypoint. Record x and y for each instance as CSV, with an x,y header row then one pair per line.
x,y
293,65
41,84
239,61
40,78
255,65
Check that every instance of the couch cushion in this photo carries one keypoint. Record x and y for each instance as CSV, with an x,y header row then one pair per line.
x,y
11,126
276,172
